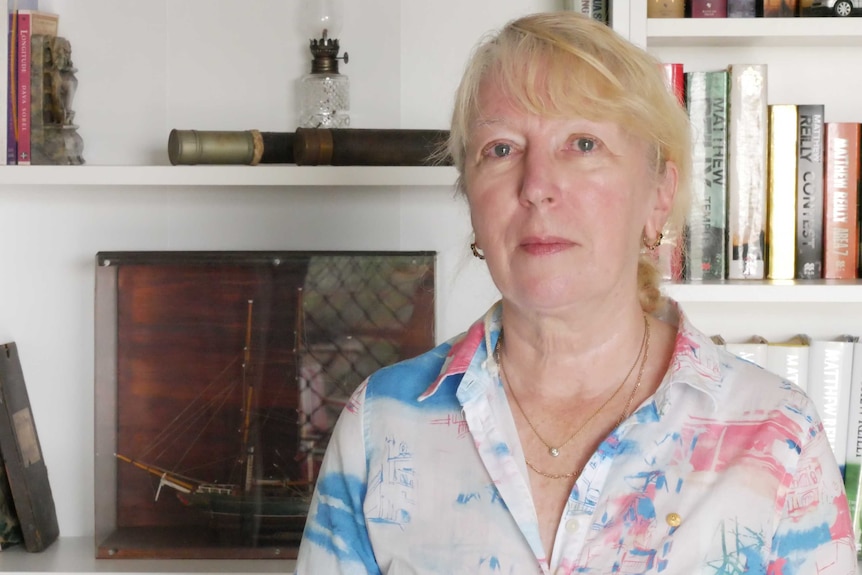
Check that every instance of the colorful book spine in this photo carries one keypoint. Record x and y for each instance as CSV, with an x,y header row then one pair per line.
x,y
853,465
741,8
780,8
12,93
670,260
781,192
840,189
789,359
705,245
23,88
709,8
746,169
809,193
4,79
830,364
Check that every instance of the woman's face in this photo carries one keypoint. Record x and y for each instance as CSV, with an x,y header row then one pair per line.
x,y
559,205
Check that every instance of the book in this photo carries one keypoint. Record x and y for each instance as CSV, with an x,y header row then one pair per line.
x,y
10,527
595,9
781,192
789,359
809,193
4,51
840,201
780,8
12,92
853,464
705,245
754,349
665,8
22,455
741,8
709,8
830,363
669,254
29,22
746,169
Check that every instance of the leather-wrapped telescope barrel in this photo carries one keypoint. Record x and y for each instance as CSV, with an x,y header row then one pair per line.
x,y
310,147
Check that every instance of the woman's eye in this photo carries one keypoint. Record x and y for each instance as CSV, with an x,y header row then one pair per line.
x,y
500,150
584,144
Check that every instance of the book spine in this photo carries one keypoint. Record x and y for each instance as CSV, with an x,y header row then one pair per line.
x,y
755,350
780,8
781,190
666,9
23,89
830,364
840,189
853,465
670,260
746,169
709,8
809,193
4,50
789,361
12,92
596,9
741,8
706,94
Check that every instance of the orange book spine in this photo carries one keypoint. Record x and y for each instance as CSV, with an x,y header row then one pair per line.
x,y
841,184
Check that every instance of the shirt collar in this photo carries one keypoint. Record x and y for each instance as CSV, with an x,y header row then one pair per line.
x,y
695,363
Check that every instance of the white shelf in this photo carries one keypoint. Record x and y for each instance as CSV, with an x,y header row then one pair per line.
x,y
207,176
77,555
769,291
795,32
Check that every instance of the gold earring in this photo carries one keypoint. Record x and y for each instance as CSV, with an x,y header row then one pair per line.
x,y
651,246
476,253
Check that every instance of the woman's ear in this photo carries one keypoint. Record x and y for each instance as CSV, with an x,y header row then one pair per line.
x,y
664,193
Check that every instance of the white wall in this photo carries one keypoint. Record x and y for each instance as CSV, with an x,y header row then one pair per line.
x,y
146,67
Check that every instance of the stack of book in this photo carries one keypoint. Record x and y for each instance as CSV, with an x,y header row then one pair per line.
x,y
774,186
830,371
25,23
748,8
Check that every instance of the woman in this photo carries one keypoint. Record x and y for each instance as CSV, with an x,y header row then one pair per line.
x,y
582,425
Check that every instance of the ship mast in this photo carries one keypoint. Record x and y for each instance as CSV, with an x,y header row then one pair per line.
x,y
248,396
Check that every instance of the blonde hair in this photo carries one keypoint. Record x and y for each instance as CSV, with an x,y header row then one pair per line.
x,y
563,63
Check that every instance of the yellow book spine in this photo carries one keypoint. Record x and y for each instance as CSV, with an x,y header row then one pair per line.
x,y
781,191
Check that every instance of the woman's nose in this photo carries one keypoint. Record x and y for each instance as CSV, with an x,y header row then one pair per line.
x,y
539,180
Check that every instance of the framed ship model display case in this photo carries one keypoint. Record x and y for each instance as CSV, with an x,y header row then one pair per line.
x,y
219,377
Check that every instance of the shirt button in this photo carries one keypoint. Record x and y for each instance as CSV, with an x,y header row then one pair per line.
x,y
572,525
673,519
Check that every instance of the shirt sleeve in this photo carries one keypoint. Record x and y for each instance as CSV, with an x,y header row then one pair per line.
x,y
815,533
335,540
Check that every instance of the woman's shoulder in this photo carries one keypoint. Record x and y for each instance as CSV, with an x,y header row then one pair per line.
x,y
406,380
751,387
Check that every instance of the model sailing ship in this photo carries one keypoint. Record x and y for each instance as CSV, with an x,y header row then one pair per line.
x,y
251,499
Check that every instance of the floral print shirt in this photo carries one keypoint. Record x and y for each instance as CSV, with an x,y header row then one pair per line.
x,y
725,469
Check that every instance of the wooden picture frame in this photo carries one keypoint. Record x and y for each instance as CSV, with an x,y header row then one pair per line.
x,y
219,376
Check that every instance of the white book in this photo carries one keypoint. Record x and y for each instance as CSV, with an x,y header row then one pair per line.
x,y
753,350
789,359
747,172
830,364
853,464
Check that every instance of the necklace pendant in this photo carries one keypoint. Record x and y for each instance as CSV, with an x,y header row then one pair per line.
x,y
554,451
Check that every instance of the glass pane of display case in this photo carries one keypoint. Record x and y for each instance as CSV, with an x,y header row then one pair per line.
x,y
219,377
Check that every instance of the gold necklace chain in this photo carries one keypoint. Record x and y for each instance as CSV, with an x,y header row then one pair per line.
x,y
643,354
555,451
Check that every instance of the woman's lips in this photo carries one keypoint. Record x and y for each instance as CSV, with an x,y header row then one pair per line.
x,y
545,246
